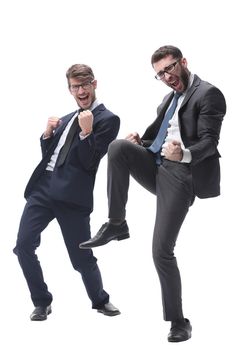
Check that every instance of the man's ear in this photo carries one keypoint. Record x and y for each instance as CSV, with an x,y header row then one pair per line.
x,y
184,62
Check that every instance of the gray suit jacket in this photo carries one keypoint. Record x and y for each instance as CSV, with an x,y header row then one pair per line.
x,y
200,118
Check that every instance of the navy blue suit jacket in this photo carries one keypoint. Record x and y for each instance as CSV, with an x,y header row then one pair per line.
x,y
200,118
73,182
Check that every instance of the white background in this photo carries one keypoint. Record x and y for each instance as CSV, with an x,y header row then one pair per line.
x,y
39,41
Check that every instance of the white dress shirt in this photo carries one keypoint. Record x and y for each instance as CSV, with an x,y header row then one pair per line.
x,y
53,159
173,131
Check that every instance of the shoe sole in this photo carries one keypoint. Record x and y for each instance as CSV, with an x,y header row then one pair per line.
x,y
92,245
110,314
178,341
41,318
123,236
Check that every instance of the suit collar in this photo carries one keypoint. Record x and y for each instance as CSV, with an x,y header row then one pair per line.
x,y
167,99
98,109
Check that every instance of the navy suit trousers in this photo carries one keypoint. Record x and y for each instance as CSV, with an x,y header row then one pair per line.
x,y
73,220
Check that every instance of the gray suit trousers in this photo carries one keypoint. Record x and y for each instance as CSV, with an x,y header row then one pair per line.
x,y
171,182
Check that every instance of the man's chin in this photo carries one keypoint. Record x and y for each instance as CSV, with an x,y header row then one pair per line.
x,y
84,106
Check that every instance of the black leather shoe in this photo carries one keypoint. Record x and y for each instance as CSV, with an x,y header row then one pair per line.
x,y
107,233
109,310
180,331
40,313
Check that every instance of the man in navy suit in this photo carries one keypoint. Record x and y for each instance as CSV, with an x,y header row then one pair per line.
x,y
61,187
176,159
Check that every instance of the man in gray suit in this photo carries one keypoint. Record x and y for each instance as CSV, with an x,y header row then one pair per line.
x,y
176,159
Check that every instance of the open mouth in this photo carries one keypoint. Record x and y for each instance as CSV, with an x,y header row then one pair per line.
x,y
84,99
174,84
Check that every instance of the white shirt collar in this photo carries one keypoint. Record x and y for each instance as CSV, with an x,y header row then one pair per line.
x,y
94,105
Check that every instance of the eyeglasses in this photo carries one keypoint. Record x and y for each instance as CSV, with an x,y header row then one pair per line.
x,y
169,70
84,86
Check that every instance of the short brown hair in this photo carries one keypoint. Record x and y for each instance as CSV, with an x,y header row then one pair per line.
x,y
80,71
164,51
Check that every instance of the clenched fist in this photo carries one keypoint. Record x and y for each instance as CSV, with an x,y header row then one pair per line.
x,y
53,123
85,120
173,151
134,138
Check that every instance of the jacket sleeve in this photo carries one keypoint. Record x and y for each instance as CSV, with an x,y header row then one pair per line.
x,y
51,142
212,108
45,144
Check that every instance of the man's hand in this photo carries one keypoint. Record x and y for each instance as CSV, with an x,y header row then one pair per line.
x,y
85,120
53,123
173,151
134,138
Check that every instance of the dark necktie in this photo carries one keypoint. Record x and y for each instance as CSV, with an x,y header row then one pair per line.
x,y
160,138
69,138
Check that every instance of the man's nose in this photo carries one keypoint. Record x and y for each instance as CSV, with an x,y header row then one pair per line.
x,y
80,89
167,76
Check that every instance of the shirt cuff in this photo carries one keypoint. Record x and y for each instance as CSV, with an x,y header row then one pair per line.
x,y
186,156
82,137
46,137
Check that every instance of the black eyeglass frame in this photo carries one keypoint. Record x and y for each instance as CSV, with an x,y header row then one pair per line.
x,y
84,86
169,70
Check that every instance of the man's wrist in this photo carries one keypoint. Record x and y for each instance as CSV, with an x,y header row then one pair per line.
x,y
47,135
82,136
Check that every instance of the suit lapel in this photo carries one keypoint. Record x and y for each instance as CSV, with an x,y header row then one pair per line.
x,y
161,110
58,132
63,125
167,99
191,90
96,112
